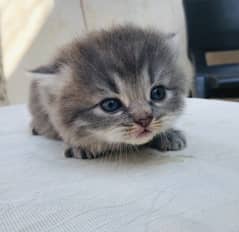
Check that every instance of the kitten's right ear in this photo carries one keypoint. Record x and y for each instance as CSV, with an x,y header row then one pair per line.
x,y
46,71
173,40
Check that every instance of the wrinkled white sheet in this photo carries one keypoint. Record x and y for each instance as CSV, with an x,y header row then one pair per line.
x,y
194,190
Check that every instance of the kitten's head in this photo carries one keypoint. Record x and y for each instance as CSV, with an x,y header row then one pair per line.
x,y
120,86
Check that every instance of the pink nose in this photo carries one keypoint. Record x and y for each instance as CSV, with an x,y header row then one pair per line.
x,y
144,122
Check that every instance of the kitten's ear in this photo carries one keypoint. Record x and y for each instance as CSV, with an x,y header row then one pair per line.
x,y
173,41
46,71
171,35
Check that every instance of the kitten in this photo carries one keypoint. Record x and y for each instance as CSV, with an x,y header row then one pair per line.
x,y
118,87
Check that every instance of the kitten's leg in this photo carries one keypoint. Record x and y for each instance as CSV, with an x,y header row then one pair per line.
x,y
171,140
40,124
79,153
34,131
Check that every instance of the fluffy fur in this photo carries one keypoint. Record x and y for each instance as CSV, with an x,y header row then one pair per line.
x,y
123,63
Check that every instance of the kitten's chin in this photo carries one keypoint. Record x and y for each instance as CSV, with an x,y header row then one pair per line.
x,y
140,139
136,139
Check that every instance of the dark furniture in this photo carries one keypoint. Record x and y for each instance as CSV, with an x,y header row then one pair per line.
x,y
213,25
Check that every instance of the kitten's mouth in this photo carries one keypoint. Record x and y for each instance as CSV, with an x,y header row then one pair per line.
x,y
139,135
143,132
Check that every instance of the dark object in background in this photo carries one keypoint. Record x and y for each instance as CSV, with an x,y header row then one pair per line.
x,y
213,25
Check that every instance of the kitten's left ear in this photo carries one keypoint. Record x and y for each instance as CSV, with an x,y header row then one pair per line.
x,y
171,35
173,41
45,71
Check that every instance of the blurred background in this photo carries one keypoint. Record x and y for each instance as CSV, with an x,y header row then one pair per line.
x,y
32,30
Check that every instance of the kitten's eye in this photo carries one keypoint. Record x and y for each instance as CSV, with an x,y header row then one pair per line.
x,y
111,105
158,93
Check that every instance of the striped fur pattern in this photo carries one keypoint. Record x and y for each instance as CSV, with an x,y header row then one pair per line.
x,y
122,63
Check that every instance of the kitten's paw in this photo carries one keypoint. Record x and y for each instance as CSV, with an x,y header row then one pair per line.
x,y
34,132
79,153
171,140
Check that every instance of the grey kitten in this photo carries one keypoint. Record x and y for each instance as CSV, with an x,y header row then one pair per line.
x,y
118,87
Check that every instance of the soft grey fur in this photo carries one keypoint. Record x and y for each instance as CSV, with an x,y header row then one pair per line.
x,y
124,63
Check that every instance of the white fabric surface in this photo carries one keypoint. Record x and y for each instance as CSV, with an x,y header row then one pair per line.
x,y
193,190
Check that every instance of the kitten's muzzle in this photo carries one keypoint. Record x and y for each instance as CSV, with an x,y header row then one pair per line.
x,y
144,121
141,113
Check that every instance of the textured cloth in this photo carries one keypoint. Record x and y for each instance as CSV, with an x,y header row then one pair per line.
x,y
193,190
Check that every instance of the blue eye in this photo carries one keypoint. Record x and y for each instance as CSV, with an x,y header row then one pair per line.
x,y
111,105
158,93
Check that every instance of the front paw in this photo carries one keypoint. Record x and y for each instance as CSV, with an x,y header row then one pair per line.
x,y
34,131
171,140
79,153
